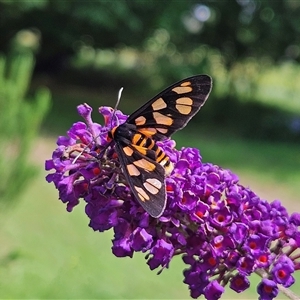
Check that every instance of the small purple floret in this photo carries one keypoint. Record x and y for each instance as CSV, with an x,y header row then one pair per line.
x,y
267,289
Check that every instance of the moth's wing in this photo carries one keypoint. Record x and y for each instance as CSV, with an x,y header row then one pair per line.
x,y
145,177
171,109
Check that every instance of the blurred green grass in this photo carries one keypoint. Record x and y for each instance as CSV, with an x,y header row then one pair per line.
x,y
56,255
60,257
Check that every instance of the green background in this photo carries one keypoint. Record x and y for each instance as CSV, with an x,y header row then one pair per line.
x,y
85,51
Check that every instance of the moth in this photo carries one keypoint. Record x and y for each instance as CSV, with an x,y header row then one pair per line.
x,y
144,164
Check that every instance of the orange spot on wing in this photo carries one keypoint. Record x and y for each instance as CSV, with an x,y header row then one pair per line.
x,y
140,120
159,104
186,83
184,101
162,119
133,170
128,151
142,194
183,109
144,164
162,130
153,185
182,89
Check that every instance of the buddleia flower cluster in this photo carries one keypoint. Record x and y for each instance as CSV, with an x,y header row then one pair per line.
x,y
222,230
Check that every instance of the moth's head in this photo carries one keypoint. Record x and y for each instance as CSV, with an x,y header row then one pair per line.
x,y
111,134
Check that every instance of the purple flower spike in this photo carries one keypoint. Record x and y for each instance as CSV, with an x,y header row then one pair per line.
x,y
223,231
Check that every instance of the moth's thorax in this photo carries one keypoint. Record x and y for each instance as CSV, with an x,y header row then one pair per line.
x,y
121,130
128,134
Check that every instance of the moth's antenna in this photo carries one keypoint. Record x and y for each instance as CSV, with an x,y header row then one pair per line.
x,y
119,97
116,106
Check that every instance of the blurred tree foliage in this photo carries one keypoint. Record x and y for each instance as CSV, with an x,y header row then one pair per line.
x,y
21,116
250,47
238,28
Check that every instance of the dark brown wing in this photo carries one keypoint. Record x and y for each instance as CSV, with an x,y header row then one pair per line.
x,y
170,110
